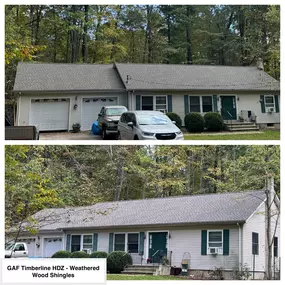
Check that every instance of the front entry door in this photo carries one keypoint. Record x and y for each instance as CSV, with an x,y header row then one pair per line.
x,y
157,246
228,104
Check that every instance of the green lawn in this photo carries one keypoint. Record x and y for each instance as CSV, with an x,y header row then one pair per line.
x,y
265,135
141,277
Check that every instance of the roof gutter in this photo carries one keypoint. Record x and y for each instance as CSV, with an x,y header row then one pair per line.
x,y
154,225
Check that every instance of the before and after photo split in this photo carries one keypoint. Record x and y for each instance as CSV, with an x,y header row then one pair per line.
x,y
196,197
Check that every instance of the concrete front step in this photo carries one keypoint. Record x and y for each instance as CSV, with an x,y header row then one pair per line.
x,y
140,269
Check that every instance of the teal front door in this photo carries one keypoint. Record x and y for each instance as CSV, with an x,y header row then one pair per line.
x,y
228,110
157,246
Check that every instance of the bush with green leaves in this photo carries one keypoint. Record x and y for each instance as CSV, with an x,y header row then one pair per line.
x,y
79,254
61,254
99,254
176,118
194,123
117,261
214,122
241,272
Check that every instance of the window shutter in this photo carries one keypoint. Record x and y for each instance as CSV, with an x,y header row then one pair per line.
x,y
67,242
226,242
203,242
262,104
141,243
138,102
111,238
186,104
95,242
276,103
169,102
215,103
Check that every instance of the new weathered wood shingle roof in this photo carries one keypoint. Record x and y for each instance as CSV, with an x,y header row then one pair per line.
x,y
182,210
195,77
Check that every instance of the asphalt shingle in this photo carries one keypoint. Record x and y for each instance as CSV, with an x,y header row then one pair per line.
x,y
63,77
194,77
195,209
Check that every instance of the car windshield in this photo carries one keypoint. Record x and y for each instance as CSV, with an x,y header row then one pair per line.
x,y
8,246
153,120
115,111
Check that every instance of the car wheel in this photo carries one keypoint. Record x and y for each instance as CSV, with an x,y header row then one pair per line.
x,y
136,138
104,134
118,136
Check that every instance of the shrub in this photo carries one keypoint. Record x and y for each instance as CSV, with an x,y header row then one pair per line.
x,y
241,272
214,122
98,254
117,261
194,123
176,118
79,254
61,254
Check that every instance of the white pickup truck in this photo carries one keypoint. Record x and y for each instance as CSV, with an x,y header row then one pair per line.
x,y
16,250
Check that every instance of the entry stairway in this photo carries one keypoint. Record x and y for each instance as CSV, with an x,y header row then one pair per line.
x,y
140,269
242,127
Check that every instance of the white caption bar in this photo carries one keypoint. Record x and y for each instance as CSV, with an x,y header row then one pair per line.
x,y
54,270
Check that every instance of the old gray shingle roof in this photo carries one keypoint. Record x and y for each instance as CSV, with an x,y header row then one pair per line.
x,y
211,208
64,77
195,77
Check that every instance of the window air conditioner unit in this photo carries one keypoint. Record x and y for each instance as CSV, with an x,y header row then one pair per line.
x,y
269,109
162,111
213,250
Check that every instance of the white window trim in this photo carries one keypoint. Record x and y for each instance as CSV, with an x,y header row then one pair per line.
x,y
220,249
81,240
274,108
201,102
154,101
126,240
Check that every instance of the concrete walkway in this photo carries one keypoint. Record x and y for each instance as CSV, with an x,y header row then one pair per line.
x,y
85,135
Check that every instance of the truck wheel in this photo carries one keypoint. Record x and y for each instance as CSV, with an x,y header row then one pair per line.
x,y
104,134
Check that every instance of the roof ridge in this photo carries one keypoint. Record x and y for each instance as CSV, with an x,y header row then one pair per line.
x,y
158,198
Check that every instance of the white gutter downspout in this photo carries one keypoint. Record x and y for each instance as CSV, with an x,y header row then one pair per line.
x,y
240,245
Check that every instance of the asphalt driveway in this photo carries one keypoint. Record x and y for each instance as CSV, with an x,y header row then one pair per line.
x,y
85,135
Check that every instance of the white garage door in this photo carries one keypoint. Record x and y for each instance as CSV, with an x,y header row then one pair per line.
x,y
50,114
91,108
31,246
51,246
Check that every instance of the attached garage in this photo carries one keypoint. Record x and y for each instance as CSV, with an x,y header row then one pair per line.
x,y
50,114
91,108
51,245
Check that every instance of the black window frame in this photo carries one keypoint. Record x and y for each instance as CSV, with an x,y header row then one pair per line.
x,y
255,243
136,250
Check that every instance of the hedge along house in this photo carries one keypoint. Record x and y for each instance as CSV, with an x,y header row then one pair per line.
x,y
217,230
56,96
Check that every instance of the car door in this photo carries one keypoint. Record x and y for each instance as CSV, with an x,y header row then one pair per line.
x,y
101,117
129,130
20,250
122,126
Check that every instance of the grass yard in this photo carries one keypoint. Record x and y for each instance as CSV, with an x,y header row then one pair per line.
x,y
264,135
141,277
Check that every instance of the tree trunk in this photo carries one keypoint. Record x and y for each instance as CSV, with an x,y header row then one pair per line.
x,y
32,24
188,38
37,31
149,34
85,30
73,36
